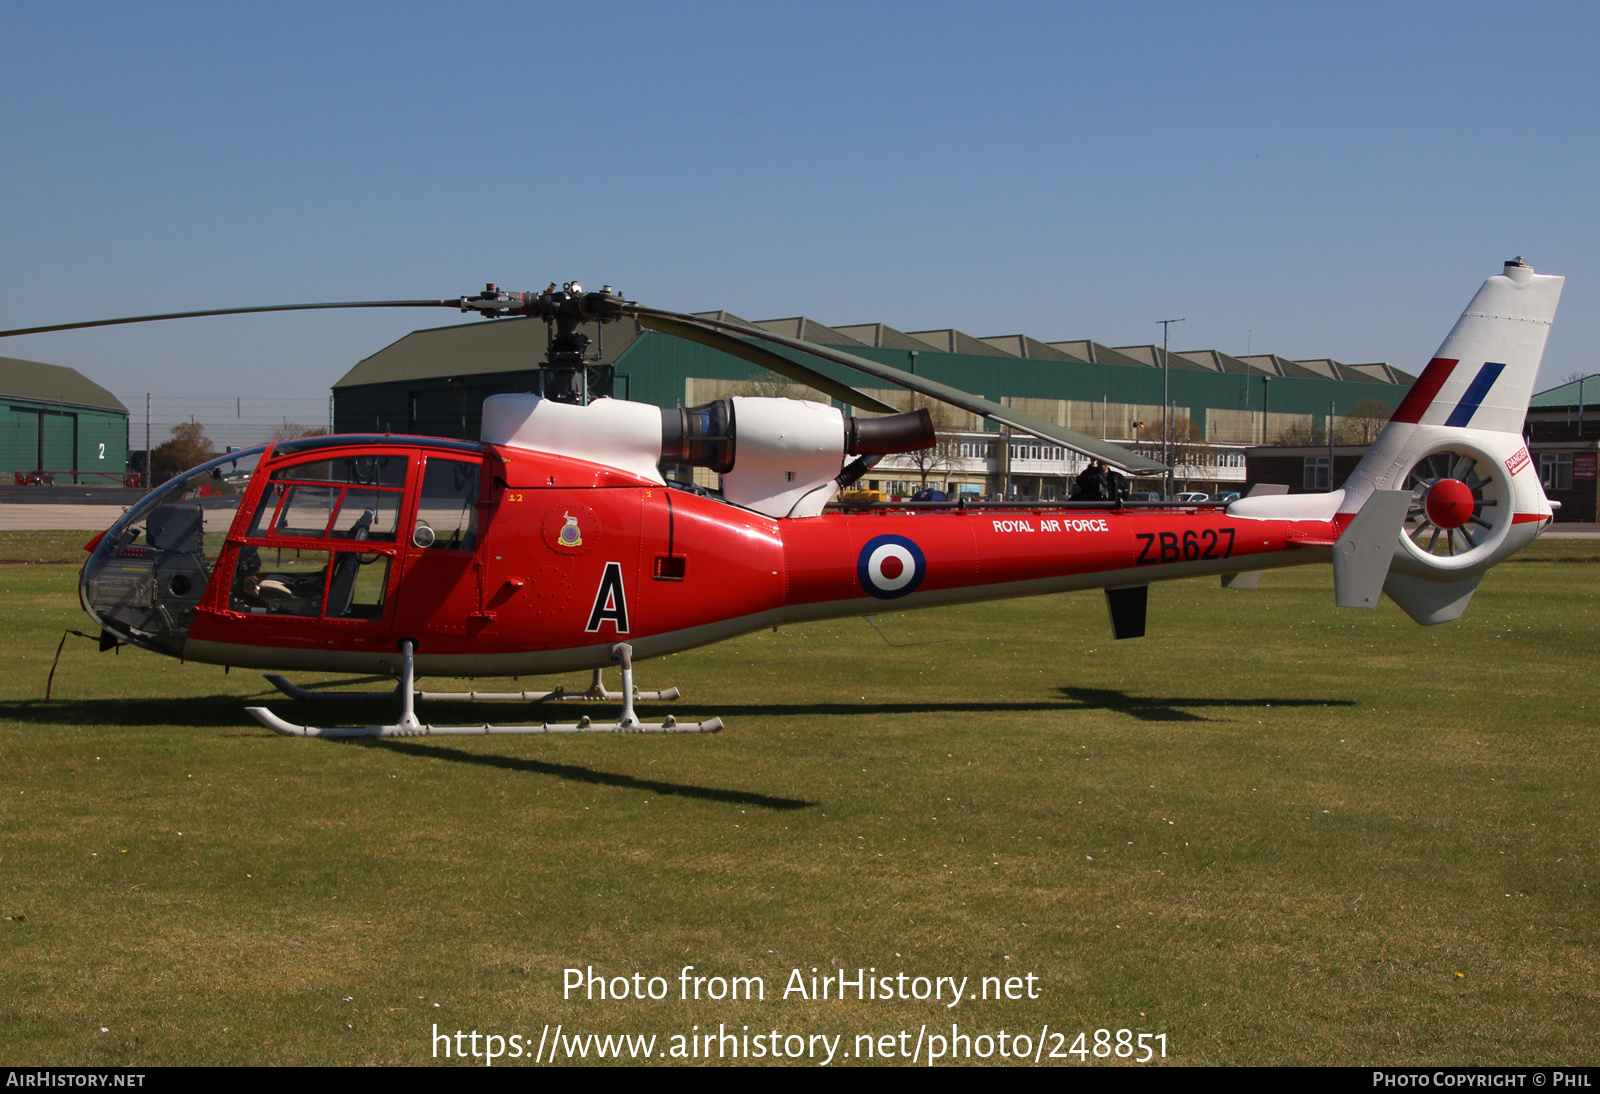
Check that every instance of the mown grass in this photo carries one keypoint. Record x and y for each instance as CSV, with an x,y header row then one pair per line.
x,y
1275,831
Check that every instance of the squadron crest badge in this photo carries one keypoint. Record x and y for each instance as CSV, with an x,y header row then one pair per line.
x,y
571,529
570,535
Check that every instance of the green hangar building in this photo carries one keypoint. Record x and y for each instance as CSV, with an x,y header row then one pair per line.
x,y
434,382
59,426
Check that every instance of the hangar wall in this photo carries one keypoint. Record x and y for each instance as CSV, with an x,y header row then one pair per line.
x,y
55,420
439,368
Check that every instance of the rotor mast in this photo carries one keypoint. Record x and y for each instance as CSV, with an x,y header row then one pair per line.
x,y
571,375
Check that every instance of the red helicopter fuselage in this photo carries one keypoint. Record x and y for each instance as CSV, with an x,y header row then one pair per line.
x,y
538,563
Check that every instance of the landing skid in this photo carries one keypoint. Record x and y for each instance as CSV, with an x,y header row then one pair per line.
x,y
409,726
596,691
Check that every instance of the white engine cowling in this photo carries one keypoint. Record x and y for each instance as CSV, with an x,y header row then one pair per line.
x,y
789,454
613,432
779,457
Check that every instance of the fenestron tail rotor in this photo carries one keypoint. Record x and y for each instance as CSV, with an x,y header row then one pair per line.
x,y
1458,503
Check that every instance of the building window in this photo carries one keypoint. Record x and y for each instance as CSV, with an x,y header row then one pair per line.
x,y
1555,470
1317,477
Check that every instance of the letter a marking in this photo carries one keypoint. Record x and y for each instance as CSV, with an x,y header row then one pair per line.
x,y
610,602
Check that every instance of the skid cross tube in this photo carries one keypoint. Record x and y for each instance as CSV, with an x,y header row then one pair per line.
x,y
409,725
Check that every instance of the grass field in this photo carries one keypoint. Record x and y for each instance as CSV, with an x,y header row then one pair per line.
x,y
1274,831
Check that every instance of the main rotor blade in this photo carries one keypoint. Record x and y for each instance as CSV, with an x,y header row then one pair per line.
x,y
456,303
728,333
667,323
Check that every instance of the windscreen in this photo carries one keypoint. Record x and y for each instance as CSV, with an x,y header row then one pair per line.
x,y
149,571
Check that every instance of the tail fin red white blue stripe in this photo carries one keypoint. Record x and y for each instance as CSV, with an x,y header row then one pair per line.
x,y
1476,388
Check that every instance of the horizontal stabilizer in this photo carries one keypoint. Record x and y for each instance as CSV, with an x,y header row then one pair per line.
x,y
1430,602
1127,608
1362,555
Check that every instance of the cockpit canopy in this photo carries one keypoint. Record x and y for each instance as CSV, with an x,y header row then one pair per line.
x,y
316,540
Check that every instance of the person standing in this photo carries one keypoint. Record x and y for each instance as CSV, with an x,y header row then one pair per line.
x,y
1116,486
1090,484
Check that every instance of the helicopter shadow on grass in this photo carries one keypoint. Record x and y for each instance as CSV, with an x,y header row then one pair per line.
x,y
224,712
1176,709
198,712
577,773
1145,708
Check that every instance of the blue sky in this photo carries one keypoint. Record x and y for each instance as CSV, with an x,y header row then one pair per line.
x,y
1322,180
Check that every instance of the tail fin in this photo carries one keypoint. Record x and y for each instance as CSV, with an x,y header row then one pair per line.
x,y
1456,440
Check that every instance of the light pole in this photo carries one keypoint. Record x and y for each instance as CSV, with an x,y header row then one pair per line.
x,y
1167,435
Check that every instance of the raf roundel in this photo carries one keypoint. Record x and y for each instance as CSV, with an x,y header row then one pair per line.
x,y
890,567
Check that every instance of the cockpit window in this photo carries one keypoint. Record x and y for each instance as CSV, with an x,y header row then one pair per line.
x,y
354,470
261,523
283,583
286,581
307,511
367,514
296,503
146,577
447,515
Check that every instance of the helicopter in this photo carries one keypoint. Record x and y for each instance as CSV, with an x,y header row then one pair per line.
x,y
556,544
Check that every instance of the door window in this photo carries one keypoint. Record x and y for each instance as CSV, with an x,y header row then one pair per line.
x,y
447,513
356,497
276,581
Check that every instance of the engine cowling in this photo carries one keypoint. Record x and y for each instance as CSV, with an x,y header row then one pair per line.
x,y
782,457
777,456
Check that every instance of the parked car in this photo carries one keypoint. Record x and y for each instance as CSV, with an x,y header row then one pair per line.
x,y
1193,495
1226,497
929,494
1144,495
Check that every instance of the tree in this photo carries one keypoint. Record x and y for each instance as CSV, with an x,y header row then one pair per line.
x,y
773,386
941,458
189,446
1189,451
290,431
1362,423
1303,433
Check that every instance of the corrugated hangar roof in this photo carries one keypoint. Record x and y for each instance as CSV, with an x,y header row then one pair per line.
x,y
724,317
1095,353
1151,356
1568,394
1020,345
1217,361
1382,370
808,330
951,340
38,382
1336,370
1274,365
881,336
